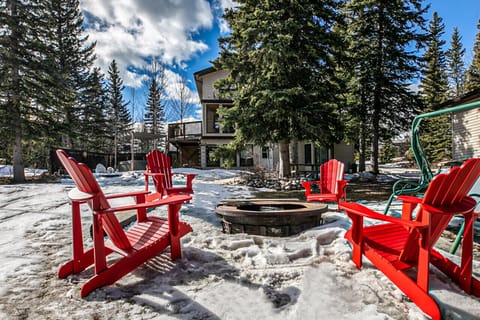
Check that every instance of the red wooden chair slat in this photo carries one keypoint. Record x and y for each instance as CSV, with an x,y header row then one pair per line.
x,y
408,242
160,169
145,239
331,183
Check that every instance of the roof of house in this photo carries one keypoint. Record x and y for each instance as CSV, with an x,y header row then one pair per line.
x,y
468,97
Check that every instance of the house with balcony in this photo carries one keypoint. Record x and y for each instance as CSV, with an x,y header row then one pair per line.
x,y
305,157
184,139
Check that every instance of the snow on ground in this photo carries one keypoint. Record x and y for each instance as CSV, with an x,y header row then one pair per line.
x,y
220,276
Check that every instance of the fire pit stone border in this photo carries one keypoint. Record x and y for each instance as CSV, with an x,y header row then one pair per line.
x,y
291,217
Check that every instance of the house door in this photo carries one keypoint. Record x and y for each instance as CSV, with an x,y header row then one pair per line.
x,y
267,158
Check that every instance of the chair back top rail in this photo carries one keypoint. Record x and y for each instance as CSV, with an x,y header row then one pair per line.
x,y
86,182
330,173
159,162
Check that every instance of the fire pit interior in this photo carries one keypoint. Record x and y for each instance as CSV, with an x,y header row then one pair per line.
x,y
269,217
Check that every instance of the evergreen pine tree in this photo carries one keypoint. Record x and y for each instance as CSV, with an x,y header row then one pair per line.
x,y
434,82
381,35
473,72
279,55
24,81
155,109
118,116
71,56
436,139
92,114
456,64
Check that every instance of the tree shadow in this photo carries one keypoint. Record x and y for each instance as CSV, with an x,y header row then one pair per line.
x,y
163,285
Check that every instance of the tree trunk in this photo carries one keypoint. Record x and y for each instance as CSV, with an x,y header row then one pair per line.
x,y
18,168
362,148
284,170
294,151
376,132
377,90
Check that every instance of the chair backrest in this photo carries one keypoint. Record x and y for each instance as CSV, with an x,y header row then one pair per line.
x,y
446,191
86,182
330,172
450,189
159,162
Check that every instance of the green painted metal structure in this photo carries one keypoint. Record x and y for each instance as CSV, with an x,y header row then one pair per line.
x,y
411,187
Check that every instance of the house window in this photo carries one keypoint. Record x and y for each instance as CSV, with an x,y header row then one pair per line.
x,y
321,155
246,156
213,120
265,152
212,125
308,153
210,161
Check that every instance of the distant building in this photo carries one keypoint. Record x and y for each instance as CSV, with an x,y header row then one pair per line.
x,y
191,142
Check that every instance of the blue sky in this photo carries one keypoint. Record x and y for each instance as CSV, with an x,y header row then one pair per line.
x,y
183,35
463,14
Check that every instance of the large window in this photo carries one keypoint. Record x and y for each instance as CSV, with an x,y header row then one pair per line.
x,y
212,125
213,120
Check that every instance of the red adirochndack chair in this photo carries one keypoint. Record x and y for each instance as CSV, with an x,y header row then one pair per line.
x,y
148,237
331,184
160,169
400,244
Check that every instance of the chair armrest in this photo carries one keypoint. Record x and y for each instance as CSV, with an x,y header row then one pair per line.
x,y
190,177
174,199
79,196
308,186
153,174
128,194
360,210
342,185
410,199
342,190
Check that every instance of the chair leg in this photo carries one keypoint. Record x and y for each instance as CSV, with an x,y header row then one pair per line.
x,y
99,252
419,296
80,259
76,265
111,274
123,266
356,234
465,280
423,267
462,275
173,225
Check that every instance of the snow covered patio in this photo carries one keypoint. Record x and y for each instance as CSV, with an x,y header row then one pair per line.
x,y
220,276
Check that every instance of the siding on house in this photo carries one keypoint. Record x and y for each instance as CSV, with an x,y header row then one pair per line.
x,y
465,127
466,134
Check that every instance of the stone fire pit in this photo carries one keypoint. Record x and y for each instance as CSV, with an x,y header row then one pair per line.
x,y
269,217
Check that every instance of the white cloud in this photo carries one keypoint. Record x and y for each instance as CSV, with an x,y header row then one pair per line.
x,y
221,6
131,31
415,87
